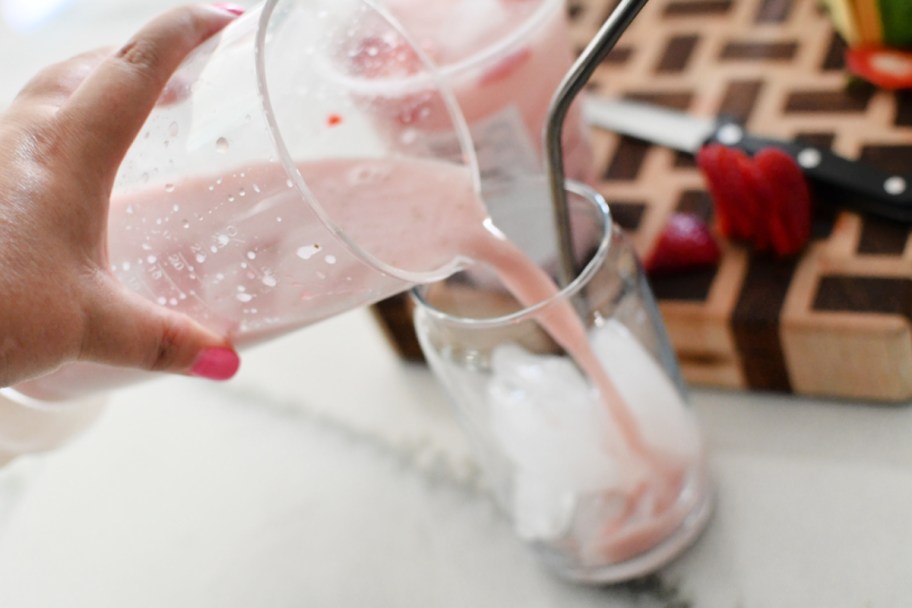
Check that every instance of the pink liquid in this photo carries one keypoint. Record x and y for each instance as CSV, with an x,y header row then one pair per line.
x,y
246,255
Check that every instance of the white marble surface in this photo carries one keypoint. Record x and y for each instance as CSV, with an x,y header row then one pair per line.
x,y
331,474
295,485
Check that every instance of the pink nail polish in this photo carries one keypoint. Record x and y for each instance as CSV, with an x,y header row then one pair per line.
x,y
216,364
230,7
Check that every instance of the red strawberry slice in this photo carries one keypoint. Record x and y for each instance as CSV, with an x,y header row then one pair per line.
x,y
723,180
755,203
764,200
790,211
685,243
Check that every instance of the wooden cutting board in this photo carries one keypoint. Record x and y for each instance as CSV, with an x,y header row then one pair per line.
x,y
833,322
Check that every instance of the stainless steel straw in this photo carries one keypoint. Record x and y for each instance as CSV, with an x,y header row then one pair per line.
x,y
579,74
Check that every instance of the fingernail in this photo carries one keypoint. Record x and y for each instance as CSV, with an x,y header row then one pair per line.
x,y
216,364
234,9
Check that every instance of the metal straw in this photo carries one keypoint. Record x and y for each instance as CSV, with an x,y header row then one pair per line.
x,y
579,74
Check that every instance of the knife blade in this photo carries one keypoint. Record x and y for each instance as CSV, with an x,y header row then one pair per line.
x,y
845,181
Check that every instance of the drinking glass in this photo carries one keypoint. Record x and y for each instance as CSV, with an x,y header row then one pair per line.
x,y
255,198
600,497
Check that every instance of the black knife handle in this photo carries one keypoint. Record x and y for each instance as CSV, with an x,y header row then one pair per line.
x,y
852,183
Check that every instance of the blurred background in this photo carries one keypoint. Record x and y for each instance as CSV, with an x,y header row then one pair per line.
x,y
34,33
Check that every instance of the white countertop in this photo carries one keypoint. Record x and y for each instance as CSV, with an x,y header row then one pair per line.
x,y
329,473
295,485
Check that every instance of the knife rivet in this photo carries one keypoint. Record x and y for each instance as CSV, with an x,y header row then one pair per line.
x,y
895,185
730,134
809,158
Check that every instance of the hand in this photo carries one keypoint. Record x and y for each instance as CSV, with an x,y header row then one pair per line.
x,y
61,143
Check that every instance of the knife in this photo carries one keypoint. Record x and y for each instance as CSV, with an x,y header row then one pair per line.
x,y
850,182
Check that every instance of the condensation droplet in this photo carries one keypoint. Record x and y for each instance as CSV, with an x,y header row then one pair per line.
x,y
162,300
169,187
200,258
125,265
186,224
308,251
270,281
230,199
289,183
244,297
223,239
151,259
256,189
222,145
330,259
173,301
146,247
176,208
242,192
251,255
279,220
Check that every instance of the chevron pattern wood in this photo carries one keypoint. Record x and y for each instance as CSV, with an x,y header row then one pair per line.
x,y
835,321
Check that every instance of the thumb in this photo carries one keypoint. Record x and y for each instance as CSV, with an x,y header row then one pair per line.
x,y
126,330
110,106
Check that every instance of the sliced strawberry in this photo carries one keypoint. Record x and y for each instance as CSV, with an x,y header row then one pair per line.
x,y
685,243
887,68
755,203
734,166
724,169
723,197
789,217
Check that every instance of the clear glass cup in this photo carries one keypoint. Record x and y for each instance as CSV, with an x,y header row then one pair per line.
x,y
598,502
247,201
503,60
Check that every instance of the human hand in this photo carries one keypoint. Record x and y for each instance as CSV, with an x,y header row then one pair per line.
x,y
61,142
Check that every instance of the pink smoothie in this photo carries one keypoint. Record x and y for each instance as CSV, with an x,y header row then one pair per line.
x,y
245,255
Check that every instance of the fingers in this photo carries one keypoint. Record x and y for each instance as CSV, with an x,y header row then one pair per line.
x,y
110,106
124,329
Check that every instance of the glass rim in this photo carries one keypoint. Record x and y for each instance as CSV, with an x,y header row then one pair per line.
x,y
457,118
571,289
